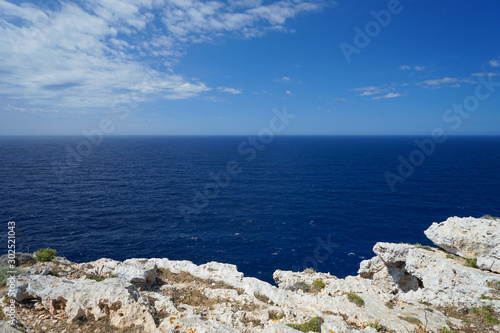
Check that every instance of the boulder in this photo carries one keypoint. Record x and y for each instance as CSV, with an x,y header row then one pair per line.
x,y
467,237
490,261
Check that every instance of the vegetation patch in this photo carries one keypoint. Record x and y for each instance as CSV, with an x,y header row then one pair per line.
x,y
44,255
300,285
309,271
376,325
98,275
318,285
389,304
493,284
313,325
6,272
166,276
475,320
356,299
263,298
275,315
411,320
471,262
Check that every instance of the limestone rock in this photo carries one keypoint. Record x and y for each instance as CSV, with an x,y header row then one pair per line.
x,y
193,324
114,297
137,271
490,261
467,237
20,258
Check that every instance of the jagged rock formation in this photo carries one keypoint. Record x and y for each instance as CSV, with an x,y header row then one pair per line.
x,y
403,288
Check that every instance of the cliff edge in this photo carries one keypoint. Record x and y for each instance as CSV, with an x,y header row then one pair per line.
x,y
454,287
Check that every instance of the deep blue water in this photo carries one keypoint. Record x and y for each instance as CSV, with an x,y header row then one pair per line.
x,y
319,202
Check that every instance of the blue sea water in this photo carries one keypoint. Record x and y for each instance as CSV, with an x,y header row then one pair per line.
x,y
292,203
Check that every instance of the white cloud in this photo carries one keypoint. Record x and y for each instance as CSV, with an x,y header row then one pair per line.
x,y
368,91
389,95
407,68
284,79
494,63
485,74
450,82
94,54
289,93
230,90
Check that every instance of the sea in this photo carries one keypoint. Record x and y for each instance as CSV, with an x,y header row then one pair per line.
x,y
260,203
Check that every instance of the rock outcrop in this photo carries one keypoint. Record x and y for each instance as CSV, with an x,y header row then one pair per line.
x,y
404,288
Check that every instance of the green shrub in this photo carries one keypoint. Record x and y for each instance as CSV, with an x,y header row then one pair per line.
x,y
6,272
275,315
300,285
309,271
263,298
352,297
411,320
376,325
312,325
318,285
493,284
487,313
43,255
471,262
389,304
445,330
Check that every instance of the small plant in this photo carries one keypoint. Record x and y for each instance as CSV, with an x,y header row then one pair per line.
x,y
389,304
263,298
318,285
445,330
300,285
450,256
43,255
6,272
312,325
354,298
483,296
428,248
256,322
309,270
471,262
275,315
487,313
411,320
98,276
493,284
376,325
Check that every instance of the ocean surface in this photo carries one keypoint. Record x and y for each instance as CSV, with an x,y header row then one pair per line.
x,y
287,203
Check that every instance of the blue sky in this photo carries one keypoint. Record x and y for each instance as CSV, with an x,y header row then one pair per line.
x,y
190,67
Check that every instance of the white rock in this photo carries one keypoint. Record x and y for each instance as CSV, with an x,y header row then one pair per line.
x,y
279,328
490,261
193,324
467,237
136,271
113,297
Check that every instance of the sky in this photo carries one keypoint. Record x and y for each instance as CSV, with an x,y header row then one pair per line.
x,y
191,67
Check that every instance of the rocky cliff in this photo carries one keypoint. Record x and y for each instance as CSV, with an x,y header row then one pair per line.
x,y
404,288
